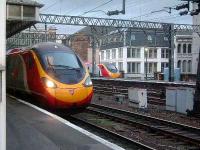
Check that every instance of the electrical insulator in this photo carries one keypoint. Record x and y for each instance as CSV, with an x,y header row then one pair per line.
x,y
182,7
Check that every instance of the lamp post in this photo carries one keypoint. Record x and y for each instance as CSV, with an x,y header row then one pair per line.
x,y
146,52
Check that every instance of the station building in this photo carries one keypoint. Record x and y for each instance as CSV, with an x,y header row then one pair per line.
x,y
131,50
183,56
195,42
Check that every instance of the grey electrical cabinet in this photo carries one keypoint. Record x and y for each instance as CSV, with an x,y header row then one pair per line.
x,y
179,99
137,97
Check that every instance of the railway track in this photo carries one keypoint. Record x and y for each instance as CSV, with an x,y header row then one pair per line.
x,y
126,142
183,136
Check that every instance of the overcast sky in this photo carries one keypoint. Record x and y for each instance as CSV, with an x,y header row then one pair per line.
x,y
135,9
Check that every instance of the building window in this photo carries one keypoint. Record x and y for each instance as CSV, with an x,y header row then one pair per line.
x,y
155,53
102,55
120,52
152,53
138,53
184,48
189,66
151,67
149,38
113,53
107,54
28,11
133,52
132,37
184,66
14,11
163,65
120,66
179,48
165,38
164,53
189,48
179,64
128,53
133,67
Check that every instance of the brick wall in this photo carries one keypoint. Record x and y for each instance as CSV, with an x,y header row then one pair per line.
x,y
80,43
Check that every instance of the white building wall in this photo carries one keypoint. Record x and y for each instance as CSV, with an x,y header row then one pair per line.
x,y
125,59
142,61
195,44
159,60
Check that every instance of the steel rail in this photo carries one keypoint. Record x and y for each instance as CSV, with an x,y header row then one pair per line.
x,y
150,118
121,138
173,134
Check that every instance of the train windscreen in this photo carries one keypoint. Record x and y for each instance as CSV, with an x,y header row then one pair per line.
x,y
63,66
111,68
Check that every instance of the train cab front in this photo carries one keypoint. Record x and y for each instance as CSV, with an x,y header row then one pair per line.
x,y
109,70
66,80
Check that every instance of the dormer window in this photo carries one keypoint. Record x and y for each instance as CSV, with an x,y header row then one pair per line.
x,y
149,38
132,37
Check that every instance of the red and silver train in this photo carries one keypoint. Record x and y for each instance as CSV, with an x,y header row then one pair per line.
x,y
50,72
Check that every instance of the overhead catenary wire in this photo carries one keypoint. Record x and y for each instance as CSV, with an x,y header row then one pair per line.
x,y
96,7
46,8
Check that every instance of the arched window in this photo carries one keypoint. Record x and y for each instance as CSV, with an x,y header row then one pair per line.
x,y
179,48
184,48
189,48
189,66
184,66
179,64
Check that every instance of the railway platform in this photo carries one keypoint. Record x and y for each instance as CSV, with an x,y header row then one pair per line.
x,y
29,127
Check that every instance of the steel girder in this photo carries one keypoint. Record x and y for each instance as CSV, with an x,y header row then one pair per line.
x,y
24,39
118,23
35,35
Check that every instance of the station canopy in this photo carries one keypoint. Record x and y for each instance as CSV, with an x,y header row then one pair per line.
x,y
21,14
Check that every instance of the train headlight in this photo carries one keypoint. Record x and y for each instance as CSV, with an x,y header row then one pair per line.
x,y
48,83
88,82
